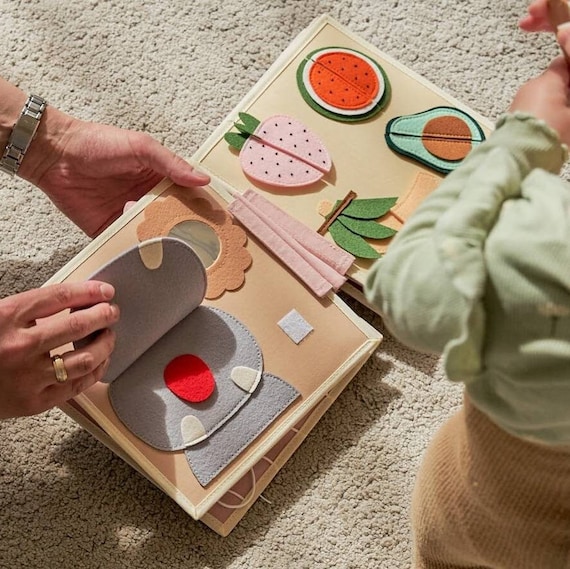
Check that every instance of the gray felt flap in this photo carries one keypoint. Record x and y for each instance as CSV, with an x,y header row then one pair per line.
x,y
208,458
146,405
157,284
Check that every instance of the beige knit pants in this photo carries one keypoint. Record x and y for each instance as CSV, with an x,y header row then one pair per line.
x,y
486,499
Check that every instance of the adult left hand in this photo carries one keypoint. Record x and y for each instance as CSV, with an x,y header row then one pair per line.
x,y
91,170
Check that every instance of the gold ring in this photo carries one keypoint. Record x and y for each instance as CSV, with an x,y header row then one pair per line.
x,y
59,368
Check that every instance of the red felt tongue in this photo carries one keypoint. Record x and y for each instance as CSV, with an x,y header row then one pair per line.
x,y
190,378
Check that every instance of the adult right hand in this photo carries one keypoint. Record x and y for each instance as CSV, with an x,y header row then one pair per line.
x,y
29,331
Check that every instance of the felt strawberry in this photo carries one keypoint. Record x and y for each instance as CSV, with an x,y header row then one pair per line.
x,y
280,151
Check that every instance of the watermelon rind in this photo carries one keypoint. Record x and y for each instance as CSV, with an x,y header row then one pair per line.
x,y
335,113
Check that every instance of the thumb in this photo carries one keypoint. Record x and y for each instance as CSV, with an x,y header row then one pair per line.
x,y
168,164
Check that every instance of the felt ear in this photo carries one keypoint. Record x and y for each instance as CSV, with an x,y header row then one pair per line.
x,y
151,253
192,430
246,378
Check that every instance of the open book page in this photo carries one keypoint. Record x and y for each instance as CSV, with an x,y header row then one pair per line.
x,y
362,161
338,343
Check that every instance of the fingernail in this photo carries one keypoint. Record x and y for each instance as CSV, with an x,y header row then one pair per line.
x,y
115,310
201,176
107,291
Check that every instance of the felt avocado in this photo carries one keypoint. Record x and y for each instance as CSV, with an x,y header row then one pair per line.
x,y
343,84
440,137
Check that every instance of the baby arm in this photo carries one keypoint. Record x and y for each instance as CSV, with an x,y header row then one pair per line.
x,y
435,266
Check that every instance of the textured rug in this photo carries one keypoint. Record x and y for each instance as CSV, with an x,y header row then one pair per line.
x,y
175,69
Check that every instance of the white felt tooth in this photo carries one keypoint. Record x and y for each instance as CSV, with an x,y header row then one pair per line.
x,y
246,378
151,253
192,429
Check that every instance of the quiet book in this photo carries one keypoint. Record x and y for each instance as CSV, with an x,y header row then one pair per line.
x,y
232,341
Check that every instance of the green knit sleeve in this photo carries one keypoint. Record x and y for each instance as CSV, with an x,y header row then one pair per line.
x,y
428,282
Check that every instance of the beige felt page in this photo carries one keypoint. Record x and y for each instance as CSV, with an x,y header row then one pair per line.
x,y
362,161
314,367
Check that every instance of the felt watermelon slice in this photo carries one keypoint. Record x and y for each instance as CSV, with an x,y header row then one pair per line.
x,y
280,151
343,84
440,137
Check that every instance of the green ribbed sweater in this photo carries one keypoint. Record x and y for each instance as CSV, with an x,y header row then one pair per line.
x,y
481,274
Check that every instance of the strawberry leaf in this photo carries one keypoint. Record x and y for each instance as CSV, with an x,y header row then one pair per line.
x,y
250,123
236,139
367,228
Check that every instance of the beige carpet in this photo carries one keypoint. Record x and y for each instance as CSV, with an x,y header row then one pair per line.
x,y
175,69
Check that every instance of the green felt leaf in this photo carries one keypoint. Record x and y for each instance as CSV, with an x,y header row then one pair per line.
x,y
372,208
367,228
250,123
352,243
243,129
235,139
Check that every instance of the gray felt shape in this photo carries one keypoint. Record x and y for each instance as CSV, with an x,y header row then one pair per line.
x,y
146,405
208,458
151,301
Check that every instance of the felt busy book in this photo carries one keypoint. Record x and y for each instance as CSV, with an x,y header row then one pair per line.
x,y
232,343
344,139
224,359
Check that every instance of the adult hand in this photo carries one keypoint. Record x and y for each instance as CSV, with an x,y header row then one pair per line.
x,y
547,96
91,170
28,383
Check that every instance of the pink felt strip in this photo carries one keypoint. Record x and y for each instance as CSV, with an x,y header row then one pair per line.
x,y
325,270
241,210
318,245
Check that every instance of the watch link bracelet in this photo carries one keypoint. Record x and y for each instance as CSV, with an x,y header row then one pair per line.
x,y
22,135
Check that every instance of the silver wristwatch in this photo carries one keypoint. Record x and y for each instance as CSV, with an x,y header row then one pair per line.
x,y
22,135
